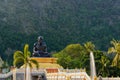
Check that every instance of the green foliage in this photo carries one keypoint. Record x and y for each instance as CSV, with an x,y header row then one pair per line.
x,y
104,66
115,49
89,46
21,58
61,22
64,60
73,56
77,56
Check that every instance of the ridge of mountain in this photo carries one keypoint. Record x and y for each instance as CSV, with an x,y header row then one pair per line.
x,y
60,22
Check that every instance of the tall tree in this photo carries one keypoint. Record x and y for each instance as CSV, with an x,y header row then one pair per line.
x,y
89,46
104,61
115,49
23,58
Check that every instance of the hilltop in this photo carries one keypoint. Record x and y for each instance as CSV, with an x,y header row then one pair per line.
x,y
61,22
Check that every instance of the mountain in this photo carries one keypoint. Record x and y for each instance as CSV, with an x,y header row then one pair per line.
x,y
60,22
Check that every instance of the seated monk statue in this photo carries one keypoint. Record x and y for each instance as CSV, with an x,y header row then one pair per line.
x,y
40,48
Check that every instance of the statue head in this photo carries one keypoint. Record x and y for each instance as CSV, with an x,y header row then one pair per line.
x,y
40,38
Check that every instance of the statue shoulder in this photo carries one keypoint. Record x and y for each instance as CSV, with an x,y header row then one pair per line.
x,y
35,44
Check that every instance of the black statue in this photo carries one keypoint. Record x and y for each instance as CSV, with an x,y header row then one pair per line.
x,y
40,48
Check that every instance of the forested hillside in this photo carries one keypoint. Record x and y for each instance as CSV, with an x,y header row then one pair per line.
x,y
61,22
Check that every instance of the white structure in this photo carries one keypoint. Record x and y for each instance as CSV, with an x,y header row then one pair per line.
x,y
92,66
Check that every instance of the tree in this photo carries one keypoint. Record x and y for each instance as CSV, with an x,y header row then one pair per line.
x,y
21,58
104,61
115,49
72,56
89,46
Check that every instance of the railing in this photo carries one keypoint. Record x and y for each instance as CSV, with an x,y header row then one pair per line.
x,y
72,70
68,74
62,74
56,76
6,75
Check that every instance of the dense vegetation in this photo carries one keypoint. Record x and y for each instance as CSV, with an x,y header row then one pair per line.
x,y
23,59
61,22
78,56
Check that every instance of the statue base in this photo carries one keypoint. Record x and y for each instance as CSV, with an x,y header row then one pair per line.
x,y
47,62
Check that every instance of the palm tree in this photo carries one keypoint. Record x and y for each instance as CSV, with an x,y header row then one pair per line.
x,y
104,61
115,49
89,46
21,58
